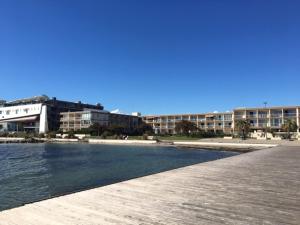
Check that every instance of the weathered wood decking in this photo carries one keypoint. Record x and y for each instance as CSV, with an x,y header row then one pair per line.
x,y
260,187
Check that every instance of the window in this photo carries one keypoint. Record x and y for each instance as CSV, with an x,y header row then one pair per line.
x,y
0,112
26,110
17,111
7,112
86,116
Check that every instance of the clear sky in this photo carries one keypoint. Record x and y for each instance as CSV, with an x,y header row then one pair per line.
x,y
152,56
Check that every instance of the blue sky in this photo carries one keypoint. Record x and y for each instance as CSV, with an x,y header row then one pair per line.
x,y
152,56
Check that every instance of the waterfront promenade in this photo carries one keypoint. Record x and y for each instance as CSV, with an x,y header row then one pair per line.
x,y
260,187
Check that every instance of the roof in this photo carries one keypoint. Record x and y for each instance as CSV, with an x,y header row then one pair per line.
x,y
41,98
262,108
188,114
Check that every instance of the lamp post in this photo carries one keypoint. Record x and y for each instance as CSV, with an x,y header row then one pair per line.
x,y
266,127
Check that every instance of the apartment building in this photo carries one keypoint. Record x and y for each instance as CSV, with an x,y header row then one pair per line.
x,y
73,121
268,117
259,118
82,119
216,122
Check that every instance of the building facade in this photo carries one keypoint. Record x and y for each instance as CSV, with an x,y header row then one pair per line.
x,y
74,121
259,118
37,114
214,122
268,117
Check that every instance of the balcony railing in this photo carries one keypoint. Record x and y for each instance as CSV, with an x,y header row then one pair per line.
x,y
289,114
239,116
276,124
252,116
276,115
262,125
219,127
262,115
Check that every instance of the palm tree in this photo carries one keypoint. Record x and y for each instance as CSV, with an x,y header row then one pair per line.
x,y
243,127
289,126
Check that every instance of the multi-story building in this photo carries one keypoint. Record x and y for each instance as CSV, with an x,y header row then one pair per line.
x,y
38,114
129,122
216,122
268,117
82,119
73,121
259,118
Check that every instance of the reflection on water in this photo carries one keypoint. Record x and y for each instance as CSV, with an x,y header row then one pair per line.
x,y
33,172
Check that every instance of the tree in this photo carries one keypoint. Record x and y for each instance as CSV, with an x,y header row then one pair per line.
x,y
145,128
97,129
185,127
117,129
289,126
243,127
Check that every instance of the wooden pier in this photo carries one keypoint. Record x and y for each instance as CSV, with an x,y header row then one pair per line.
x,y
261,187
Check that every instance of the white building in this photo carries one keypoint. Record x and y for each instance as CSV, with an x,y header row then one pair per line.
x,y
24,117
37,114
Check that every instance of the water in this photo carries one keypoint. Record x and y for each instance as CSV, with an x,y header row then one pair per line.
x,y
33,172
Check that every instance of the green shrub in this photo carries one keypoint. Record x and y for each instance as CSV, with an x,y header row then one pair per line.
x,y
51,134
71,134
145,136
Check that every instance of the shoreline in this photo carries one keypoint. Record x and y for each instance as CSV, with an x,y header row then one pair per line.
x,y
212,144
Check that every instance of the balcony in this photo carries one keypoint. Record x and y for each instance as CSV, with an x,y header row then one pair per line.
x,y
262,115
239,116
290,114
262,125
219,127
276,115
277,125
251,115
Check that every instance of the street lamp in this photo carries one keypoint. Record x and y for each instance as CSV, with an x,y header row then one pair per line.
x,y
265,103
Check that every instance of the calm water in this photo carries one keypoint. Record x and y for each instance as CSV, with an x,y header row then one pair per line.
x,y
33,172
